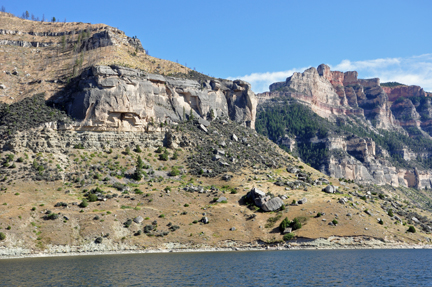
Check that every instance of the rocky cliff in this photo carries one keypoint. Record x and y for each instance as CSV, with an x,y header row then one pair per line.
x,y
361,112
116,98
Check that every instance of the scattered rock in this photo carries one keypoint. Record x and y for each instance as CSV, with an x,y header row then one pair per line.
x,y
287,230
138,219
205,220
273,204
98,240
220,199
343,200
202,127
302,201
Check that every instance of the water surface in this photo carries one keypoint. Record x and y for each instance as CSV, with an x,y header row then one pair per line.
x,y
255,268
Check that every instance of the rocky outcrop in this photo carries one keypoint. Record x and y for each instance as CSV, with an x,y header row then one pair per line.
x,y
342,97
100,37
123,99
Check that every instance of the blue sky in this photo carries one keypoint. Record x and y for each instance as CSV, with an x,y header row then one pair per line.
x,y
266,41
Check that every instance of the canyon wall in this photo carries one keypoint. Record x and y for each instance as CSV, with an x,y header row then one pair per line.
x,y
122,99
342,97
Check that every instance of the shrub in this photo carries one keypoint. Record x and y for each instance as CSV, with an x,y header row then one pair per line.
x,y
411,229
128,223
51,216
138,149
288,236
84,203
296,224
284,224
186,205
162,216
174,171
335,221
159,150
2,236
137,191
92,197
319,214
390,213
381,221
164,156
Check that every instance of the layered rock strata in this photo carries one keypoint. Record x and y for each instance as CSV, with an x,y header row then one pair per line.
x,y
338,96
123,99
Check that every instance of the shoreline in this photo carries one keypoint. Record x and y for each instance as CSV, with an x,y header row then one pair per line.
x,y
288,247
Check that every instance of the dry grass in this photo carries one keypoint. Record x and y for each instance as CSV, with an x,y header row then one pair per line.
x,y
54,65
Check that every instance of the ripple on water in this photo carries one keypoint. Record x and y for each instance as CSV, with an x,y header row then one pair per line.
x,y
270,268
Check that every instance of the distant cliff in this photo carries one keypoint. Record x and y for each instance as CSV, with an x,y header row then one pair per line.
x,y
378,134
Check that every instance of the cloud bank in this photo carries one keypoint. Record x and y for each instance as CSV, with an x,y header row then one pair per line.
x,y
415,70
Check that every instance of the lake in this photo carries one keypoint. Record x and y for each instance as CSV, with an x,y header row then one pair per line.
x,y
254,268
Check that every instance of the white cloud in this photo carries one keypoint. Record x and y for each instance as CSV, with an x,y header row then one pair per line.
x,y
415,70
260,81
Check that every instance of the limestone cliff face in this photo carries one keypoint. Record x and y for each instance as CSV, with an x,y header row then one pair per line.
x,y
342,97
123,99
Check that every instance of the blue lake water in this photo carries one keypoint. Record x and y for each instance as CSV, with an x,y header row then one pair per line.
x,y
255,268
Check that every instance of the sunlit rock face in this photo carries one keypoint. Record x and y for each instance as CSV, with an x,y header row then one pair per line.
x,y
123,99
343,97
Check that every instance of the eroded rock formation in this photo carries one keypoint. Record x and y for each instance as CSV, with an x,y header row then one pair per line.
x,y
341,97
123,99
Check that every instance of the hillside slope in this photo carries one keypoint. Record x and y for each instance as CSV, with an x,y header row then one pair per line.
x,y
123,153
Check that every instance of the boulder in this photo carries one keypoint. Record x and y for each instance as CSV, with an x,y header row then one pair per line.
x,y
273,204
329,189
220,199
234,137
287,230
343,200
203,122
205,220
292,169
2,86
98,240
302,201
138,219
324,180
202,127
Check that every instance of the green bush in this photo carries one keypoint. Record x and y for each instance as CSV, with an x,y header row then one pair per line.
x,y
92,197
137,191
2,236
284,224
174,171
411,229
288,236
296,224
390,213
84,203
138,149
164,156
159,150
335,221
381,221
